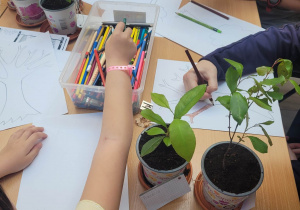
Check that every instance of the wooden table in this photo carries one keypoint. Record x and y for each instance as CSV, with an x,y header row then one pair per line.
x,y
278,190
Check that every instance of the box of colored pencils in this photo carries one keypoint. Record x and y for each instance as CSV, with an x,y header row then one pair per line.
x,y
85,71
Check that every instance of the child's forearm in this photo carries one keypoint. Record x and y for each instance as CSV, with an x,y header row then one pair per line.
x,y
105,181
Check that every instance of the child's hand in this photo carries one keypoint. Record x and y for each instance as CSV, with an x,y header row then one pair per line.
x,y
120,48
22,147
209,73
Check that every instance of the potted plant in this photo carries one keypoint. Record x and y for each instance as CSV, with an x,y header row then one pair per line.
x,y
61,15
165,149
29,11
231,172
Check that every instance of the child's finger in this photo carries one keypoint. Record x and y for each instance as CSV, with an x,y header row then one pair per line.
x,y
296,151
35,139
128,32
119,27
18,134
29,131
294,145
34,152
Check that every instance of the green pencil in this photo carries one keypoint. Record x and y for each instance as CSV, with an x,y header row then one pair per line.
x,y
124,21
198,22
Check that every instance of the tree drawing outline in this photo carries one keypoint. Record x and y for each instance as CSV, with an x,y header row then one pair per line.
x,y
17,62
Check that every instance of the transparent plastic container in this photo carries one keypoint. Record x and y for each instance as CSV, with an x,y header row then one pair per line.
x,y
92,97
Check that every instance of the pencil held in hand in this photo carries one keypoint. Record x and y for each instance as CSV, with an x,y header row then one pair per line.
x,y
199,77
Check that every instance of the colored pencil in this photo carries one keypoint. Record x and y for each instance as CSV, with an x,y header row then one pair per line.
x,y
100,67
138,62
211,10
85,72
198,22
200,79
140,71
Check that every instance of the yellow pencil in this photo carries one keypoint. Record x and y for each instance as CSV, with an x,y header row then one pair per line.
x,y
103,39
99,35
133,32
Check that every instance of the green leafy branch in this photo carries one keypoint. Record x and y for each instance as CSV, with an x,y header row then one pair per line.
x,y
179,134
262,93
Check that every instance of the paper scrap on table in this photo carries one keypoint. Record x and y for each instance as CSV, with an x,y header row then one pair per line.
x,y
201,39
59,42
56,178
168,81
29,85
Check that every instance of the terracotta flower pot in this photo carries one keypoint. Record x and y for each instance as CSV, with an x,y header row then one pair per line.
x,y
62,21
157,176
30,11
220,198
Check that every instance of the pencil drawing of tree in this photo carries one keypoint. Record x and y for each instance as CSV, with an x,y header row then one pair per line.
x,y
17,63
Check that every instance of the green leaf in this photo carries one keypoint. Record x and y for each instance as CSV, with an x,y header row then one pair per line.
x,y
167,141
183,139
275,95
238,107
225,101
160,100
155,131
188,100
267,123
297,87
267,135
263,70
150,115
253,89
276,88
285,68
258,144
274,81
231,77
261,103
238,66
151,145
261,89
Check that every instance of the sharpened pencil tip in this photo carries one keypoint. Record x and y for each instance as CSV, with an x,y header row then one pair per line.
x,y
212,101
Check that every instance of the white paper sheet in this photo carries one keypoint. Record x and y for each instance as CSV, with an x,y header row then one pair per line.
x,y
59,42
168,81
56,178
29,83
62,58
198,38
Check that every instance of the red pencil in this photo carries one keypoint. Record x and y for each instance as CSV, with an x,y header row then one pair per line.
x,y
99,66
81,68
140,71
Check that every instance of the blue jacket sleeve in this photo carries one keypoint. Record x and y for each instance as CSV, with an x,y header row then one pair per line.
x,y
260,49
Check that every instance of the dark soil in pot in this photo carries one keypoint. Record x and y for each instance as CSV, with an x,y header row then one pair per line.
x,y
55,4
242,170
163,157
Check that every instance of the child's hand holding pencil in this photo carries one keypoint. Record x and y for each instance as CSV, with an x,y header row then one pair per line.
x,y
120,48
208,72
